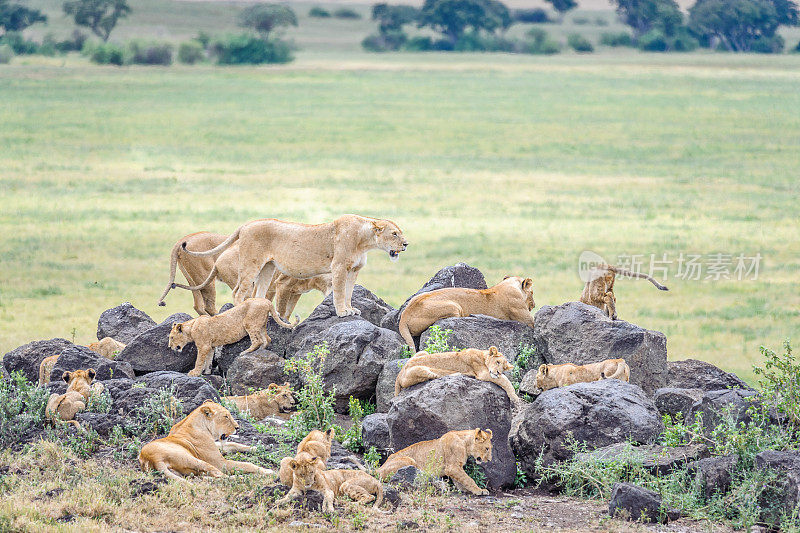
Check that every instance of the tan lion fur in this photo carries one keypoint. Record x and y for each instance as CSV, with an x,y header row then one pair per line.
x,y
107,347
191,447
511,299
552,376
64,407
287,290
46,368
304,251
486,365
207,332
308,473
445,456
317,444
272,401
599,290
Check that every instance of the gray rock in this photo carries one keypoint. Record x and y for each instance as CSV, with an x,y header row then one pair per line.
x,y
714,473
249,435
718,403
657,459
578,333
150,352
255,371
671,401
637,503
82,358
384,390
783,495
358,351
310,500
225,356
458,275
341,457
481,332
191,391
598,414
102,423
405,477
123,323
429,410
28,357
694,374
375,432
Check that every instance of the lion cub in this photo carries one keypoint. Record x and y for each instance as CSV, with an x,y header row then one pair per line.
x,y
107,347
191,446
599,290
486,365
552,376
445,456
308,473
207,332
317,444
274,400
511,299
64,407
46,368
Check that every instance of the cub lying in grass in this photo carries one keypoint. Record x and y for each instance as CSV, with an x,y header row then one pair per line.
x,y
64,407
445,456
486,365
207,332
272,401
552,376
316,444
308,473
191,446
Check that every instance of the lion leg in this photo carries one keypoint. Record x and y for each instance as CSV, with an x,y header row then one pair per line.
x,y
350,283
457,474
289,303
204,356
419,374
391,466
502,382
327,503
293,492
229,466
209,294
186,464
228,447
356,492
285,472
340,302
256,339
249,269
263,279
164,469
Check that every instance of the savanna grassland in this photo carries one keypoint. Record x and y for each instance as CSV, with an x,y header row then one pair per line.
x,y
514,164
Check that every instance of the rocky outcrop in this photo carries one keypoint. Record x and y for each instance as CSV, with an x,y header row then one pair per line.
x,y
714,473
81,358
375,432
658,460
255,371
123,323
384,390
637,503
671,401
150,352
694,374
225,356
27,358
782,496
718,403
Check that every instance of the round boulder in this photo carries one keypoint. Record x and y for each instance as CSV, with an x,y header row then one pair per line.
x,y
694,374
123,323
384,390
28,357
671,401
375,432
81,358
255,371
150,352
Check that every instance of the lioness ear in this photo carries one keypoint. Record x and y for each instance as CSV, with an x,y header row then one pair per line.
x,y
489,432
527,284
543,369
66,375
330,434
272,386
478,433
493,351
292,464
286,384
378,227
91,373
179,327
506,277
207,410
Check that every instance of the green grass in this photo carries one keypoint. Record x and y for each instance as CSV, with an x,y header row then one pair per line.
x,y
514,164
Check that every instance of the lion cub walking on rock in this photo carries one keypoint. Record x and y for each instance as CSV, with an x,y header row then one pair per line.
x,y
64,407
599,290
511,299
486,365
207,332
552,376
445,456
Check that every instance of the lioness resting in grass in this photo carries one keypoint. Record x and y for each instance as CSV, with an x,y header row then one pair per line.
x,y
317,444
308,473
445,456
552,376
272,401
304,251
486,365
191,447
64,407
107,347
599,290
207,332
511,299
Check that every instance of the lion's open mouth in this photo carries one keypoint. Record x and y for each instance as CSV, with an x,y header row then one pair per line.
x,y
394,255
224,436
478,460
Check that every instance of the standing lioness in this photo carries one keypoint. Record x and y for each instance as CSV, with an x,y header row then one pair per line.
x,y
303,251
511,299
207,332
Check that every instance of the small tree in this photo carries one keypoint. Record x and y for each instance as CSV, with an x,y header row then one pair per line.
x,y
453,17
393,18
16,17
562,6
646,15
264,18
741,25
100,16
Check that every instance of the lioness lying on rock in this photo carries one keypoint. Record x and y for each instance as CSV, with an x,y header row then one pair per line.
x,y
64,407
552,376
107,347
486,365
272,401
207,332
317,444
599,290
445,456
308,473
191,447
511,299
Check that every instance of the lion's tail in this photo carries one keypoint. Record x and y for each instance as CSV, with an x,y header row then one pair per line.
x,y
378,496
173,265
233,237
624,272
405,332
208,280
277,317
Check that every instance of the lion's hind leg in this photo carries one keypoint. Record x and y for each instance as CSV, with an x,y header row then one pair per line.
x,y
420,374
353,490
392,465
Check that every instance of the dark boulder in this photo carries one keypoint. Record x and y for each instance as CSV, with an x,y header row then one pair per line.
x,y
375,432
405,477
384,390
81,358
598,414
27,358
725,402
102,423
255,371
150,352
657,459
671,401
694,374
639,504
714,473
123,323
191,391
578,333
429,410
225,356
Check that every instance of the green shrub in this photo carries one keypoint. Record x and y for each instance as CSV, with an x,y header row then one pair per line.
x,y
437,340
474,471
100,403
540,43
6,54
315,406
150,53
346,13
106,54
248,49
73,44
780,384
581,20
621,38
19,43
683,41
419,44
156,416
190,52
319,12
579,43
22,406
352,439
389,40
530,16
526,352
653,41
768,45
204,38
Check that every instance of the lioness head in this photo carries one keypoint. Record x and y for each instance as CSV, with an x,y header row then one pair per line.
x,y
283,395
496,362
526,286
178,337
79,379
389,238
220,422
544,380
481,448
304,469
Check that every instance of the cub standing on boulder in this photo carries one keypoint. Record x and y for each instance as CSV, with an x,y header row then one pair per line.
x,y
486,365
64,407
191,447
207,332
445,456
303,251
511,299
599,290
552,376
272,401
